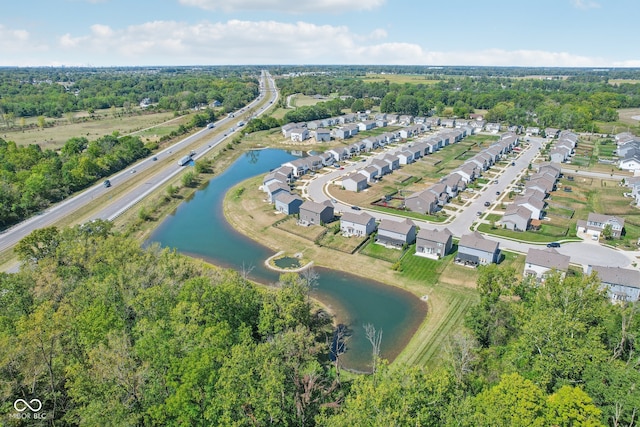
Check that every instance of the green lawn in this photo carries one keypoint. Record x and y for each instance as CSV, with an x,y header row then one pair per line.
x,y
409,214
548,233
423,270
381,252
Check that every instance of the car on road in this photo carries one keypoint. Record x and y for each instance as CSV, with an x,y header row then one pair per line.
x,y
106,183
355,208
487,203
478,213
513,163
341,168
133,171
497,193
154,158
553,245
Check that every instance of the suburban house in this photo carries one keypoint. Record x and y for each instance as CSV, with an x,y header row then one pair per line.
x,y
595,224
312,213
288,203
366,125
631,161
339,153
559,154
434,243
535,205
355,182
424,202
299,134
275,188
405,157
629,147
322,134
382,166
453,184
393,161
396,233
370,172
474,250
540,262
516,218
622,284
271,178
352,224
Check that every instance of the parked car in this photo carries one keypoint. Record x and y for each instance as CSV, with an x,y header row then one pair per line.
x,y
553,245
355,208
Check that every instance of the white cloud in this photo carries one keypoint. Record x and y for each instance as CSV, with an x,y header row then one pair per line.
x,y
14,41
263,42
286,6
585,4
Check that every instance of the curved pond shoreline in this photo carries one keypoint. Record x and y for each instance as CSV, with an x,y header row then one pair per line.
x,y
199,228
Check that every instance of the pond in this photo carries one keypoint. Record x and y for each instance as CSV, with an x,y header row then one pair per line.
x,y
198,228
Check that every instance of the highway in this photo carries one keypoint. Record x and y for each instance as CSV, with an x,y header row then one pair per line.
x,y
158,171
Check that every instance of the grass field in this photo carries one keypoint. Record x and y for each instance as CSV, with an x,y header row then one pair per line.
x,y
341,243
375,250
55,136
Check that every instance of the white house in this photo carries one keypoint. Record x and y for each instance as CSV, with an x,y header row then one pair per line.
x,y
352,224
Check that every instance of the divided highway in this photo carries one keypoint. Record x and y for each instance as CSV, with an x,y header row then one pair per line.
x,y
200,142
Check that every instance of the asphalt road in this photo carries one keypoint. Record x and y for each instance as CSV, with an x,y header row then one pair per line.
x,y
583,253
202,141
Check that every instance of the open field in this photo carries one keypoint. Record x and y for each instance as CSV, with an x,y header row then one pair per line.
x,y
300,100
55,136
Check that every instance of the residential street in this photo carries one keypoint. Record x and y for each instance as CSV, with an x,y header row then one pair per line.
x,y
583,253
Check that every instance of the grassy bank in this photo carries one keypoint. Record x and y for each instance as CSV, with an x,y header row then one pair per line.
x,y
451,288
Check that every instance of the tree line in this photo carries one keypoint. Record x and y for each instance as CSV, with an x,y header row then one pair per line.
x,y
31,179
572,103
51,92
103,331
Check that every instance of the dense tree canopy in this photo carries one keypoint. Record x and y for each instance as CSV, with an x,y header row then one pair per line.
x,y
32,179
104,332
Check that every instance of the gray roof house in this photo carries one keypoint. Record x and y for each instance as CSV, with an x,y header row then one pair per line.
x,y
622,284
424,202
474,250
322,134
405,157
355,182
631,161
382,166
352,224
275,188
434,243
516,218
393,161
339,153
535,205
299,134
540,262
370,172
595,223
396,234
312,213
288,203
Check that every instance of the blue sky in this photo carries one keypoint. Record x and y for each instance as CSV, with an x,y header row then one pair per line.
x,y
580,33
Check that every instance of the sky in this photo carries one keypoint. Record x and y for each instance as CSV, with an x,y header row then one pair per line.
x,y
103,33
